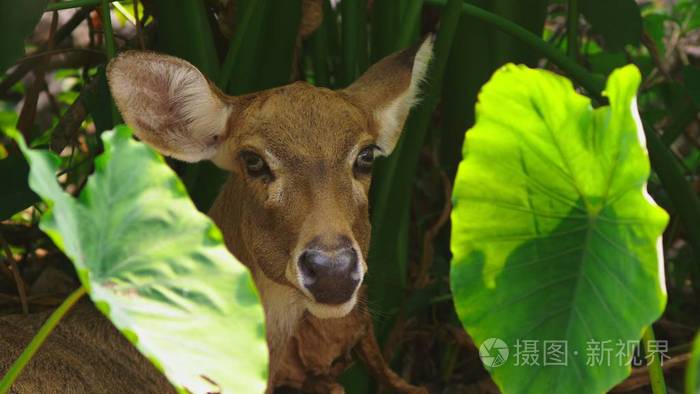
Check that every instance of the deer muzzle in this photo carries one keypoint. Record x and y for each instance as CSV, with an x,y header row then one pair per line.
x,y
330,275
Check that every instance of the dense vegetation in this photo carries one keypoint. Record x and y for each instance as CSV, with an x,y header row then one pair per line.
x,y
552,237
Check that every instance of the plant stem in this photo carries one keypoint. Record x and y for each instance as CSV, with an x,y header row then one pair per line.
x,y
593,83
391,207
235,45
656,373
319,47
409,20
39,339
62,5
350,23
108,37
572,16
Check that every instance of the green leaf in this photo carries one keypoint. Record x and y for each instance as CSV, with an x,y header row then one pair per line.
x,y
98,102
554,236
157,267
15,194
17,21
394,179
688,13
184,31
618,21
692,375
691,79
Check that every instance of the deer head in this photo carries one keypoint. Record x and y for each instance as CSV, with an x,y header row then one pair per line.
x,y
295,209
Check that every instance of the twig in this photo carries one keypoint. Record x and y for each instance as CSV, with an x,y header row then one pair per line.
x,y
21,289
23,68
640,376
67,128
27,117
55,108
6,271
654,53
31,99
426,261
48,53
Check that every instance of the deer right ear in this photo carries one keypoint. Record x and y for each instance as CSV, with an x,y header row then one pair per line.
x,y
169,104
388,90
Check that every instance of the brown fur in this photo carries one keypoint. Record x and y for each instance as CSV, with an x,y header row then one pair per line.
x,y
84,354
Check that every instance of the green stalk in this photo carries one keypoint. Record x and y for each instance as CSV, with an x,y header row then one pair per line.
x,y
108,33
320,54
572,16
108,37
593,83
235,45
692,374
62,5
656,373
385,20
362,48
409,20
350,17
395,180
39,339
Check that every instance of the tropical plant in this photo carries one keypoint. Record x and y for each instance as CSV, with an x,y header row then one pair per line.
x,y
53,90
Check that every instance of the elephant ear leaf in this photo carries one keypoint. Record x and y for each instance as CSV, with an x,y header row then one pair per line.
x,y
557,266
157,267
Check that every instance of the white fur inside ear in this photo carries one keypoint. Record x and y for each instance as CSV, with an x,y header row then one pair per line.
x,y
390,118
169,104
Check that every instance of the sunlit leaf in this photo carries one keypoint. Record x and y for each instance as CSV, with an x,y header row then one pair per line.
x,y
157,267
554,236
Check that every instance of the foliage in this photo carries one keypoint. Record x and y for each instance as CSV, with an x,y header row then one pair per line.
x,y
248,45
551,208
155,265
692,382
618,21
16,23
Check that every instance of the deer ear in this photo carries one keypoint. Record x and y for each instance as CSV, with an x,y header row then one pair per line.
x,y
169,104
389,89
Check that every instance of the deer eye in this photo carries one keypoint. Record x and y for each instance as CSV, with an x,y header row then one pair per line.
x,y
365,159
255,166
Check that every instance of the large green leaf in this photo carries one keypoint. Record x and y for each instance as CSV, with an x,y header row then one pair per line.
x,y
17,21
157,267
554,236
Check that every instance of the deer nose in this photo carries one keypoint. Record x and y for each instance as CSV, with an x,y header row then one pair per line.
x,y
330,276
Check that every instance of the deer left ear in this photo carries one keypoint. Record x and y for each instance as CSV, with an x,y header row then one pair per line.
x,y
388,90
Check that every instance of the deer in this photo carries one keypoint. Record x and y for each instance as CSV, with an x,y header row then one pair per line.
x,y
295,207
